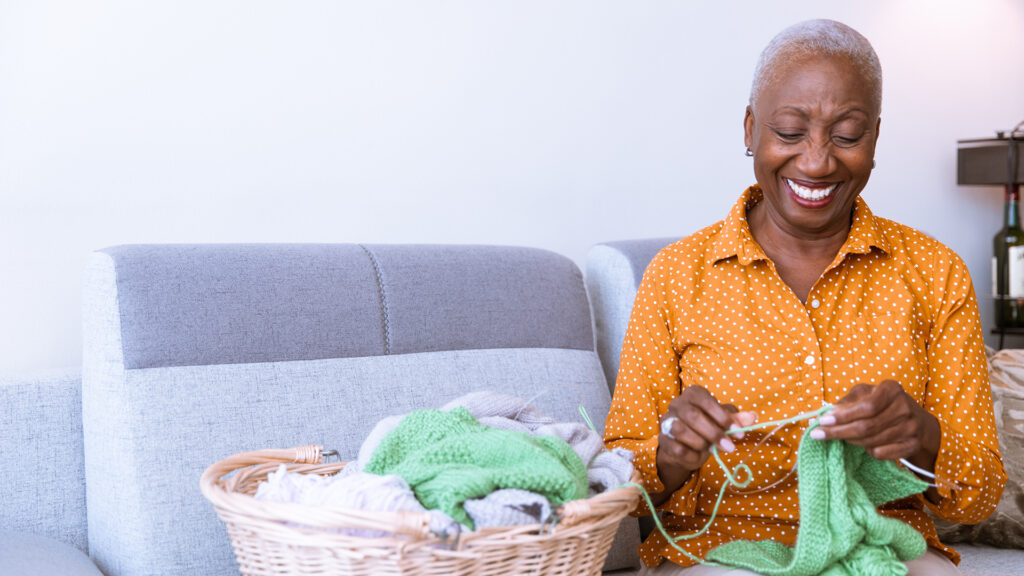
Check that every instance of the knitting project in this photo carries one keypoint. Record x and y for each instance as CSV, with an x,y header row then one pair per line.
x,y
449,457
606,469
841,533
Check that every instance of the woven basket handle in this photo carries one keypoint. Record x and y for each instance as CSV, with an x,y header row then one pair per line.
x,y
574,512
309,454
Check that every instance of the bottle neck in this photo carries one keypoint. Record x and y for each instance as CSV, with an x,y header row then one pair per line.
x,y
1011,215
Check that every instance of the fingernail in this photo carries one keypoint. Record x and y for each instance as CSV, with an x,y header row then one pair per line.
x,y
738,435
818,434
827,420
727,445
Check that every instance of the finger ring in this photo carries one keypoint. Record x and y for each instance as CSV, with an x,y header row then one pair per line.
x,y
666,425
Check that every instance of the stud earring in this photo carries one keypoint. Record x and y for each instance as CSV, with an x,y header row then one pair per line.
x,y
748,152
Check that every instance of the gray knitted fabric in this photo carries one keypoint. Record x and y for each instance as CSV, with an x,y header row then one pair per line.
x,y
610,469
488,404
509,507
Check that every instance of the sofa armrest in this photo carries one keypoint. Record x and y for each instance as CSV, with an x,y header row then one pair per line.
x,y
43,488
614,271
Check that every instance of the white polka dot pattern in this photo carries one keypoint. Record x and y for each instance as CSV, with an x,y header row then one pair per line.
x,y
711,311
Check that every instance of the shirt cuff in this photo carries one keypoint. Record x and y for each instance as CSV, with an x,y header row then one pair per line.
x,y
645,460
960,478
684,500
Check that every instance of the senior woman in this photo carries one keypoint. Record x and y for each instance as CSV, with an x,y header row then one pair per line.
x,y
800,298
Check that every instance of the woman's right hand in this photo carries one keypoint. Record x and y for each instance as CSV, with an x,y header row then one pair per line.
x,y
700,422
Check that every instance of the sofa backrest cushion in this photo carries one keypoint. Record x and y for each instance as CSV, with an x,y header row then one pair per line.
x,y
42,491
280,302
614,272
194,353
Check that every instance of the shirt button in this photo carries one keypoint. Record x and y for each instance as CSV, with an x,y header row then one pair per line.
x,y
809,360
815,303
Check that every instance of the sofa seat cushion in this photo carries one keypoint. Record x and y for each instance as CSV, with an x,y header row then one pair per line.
x,y
985,561
31,555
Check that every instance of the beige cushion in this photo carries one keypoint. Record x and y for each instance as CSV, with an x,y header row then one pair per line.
x,y
1005,528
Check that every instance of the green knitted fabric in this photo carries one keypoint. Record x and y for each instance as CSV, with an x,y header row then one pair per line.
x,y
841,533
449,457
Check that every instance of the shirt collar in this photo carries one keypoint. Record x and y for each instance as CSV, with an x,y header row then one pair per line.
x,y
865,233
735,239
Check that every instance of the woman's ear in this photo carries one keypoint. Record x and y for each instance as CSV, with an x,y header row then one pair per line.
x,y
748,127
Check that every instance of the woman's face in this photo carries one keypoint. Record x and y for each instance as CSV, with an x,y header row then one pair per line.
x,y
813,131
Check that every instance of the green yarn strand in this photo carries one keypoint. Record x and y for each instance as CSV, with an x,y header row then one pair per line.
x,y
586,418
731,479
780,423
668,537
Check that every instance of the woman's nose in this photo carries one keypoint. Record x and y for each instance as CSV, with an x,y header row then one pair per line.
x,y
816,160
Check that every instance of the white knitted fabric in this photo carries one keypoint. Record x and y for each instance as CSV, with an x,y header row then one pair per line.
x,y
356,491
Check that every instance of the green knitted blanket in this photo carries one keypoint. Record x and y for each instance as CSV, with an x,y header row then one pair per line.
x,y
449,457
841,533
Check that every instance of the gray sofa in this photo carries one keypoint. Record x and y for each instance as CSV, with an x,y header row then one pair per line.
x,y
193,353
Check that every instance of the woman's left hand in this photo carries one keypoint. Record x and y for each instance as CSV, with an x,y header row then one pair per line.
x,y
886,421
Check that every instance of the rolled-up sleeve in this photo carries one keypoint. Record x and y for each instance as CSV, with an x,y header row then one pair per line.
x,y
969,469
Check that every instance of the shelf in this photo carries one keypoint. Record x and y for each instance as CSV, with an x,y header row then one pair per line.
x,y
982,162
1009,331
1004,332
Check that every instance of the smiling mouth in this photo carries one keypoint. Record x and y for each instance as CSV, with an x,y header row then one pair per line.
x,y
812,194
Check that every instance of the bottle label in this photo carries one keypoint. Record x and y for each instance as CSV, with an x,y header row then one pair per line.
x,y
995,277
1015,259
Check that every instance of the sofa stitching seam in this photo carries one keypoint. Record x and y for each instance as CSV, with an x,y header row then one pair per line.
x,y
384,308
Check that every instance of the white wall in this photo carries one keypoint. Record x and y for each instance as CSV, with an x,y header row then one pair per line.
x,y
546,123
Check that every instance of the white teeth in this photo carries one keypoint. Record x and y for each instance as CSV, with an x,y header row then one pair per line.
x,y
810,193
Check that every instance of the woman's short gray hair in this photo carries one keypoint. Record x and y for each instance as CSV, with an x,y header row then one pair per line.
x,y
818,38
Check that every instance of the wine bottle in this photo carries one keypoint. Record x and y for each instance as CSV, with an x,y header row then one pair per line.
x,y
1008,264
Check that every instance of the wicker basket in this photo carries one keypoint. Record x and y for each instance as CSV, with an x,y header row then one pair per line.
x,y
286,538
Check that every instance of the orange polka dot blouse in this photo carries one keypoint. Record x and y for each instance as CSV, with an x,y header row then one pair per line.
x,y
712,311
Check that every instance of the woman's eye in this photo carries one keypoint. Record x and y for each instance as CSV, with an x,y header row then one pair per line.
x,y
846,140
789,136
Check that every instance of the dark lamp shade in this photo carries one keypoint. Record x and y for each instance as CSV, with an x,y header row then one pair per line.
x,y
984,161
